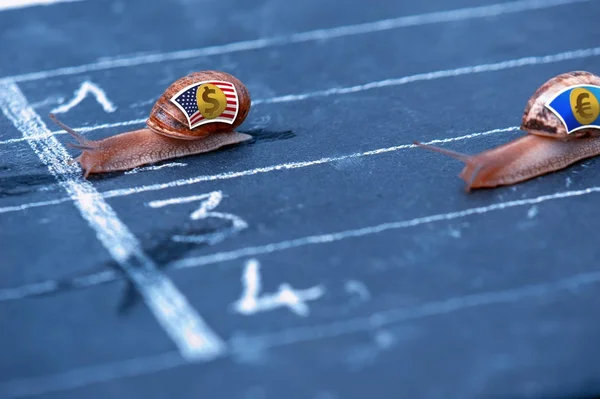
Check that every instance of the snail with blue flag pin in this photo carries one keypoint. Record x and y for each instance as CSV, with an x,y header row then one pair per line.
x,y
577,107
563,126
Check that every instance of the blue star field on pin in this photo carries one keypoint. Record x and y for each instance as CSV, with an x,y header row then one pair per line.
x,y
188,101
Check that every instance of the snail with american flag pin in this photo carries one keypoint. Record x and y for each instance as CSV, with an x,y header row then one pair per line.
x,y
197,113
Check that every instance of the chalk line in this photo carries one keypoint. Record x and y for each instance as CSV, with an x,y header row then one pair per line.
x,y
183,200
90,375
192,336
287,166
12,4
52,286
435,308
23,291
469,70
83,129
461,71
304,37
366,231
153,168
241,344
250,172
22,207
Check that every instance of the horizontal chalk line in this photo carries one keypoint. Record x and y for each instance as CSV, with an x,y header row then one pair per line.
x,y
83,129
365,231
24,291
243,344
303,37
468,70
265,169
387,317
94,374
13,4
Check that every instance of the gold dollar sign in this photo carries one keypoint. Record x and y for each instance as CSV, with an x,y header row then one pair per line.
x,y
584,105
211,101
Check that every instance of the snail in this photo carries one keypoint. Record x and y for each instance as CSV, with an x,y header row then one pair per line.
x,y
547,147
168,132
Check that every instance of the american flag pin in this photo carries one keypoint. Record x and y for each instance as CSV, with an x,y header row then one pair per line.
x,y
207,102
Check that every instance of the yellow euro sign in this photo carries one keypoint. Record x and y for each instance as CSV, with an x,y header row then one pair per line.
x,y
584,105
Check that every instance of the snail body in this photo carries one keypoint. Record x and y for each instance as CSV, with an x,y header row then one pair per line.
x,y
546,148
167,133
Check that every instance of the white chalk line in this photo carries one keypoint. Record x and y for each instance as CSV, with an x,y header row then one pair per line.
x,y
186,328
468,70
285,166
303,37
12,4
22,207
462,71
153,168
387,317
25,290
90,375
83,129
250,172
243,344
185,200
52,286
366,231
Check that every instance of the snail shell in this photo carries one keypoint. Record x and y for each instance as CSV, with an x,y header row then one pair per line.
x,y
167,134
166,119
539,120
546,148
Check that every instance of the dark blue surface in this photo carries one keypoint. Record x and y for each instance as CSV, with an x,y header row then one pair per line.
x,y
498,304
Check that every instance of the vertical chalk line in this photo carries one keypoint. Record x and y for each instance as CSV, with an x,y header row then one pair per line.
x,y
186,328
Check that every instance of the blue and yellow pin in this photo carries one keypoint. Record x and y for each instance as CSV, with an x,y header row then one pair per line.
x,y
578,107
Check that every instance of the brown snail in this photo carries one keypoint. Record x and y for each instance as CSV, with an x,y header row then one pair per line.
x,y
546,148
168,133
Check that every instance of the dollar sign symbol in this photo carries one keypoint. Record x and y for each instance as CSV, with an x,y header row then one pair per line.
x,y
582,108
211,101
214,101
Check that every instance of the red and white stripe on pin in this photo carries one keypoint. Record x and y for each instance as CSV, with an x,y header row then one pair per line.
x,y
197,101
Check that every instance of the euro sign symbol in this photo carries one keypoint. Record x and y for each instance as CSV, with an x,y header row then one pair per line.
x,y
211,101
584,105
584,109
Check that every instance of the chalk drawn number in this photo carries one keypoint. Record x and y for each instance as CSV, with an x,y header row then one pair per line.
x,y
81,93
251,301
208,202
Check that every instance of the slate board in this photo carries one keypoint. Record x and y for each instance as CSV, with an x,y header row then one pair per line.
x,y
499,301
